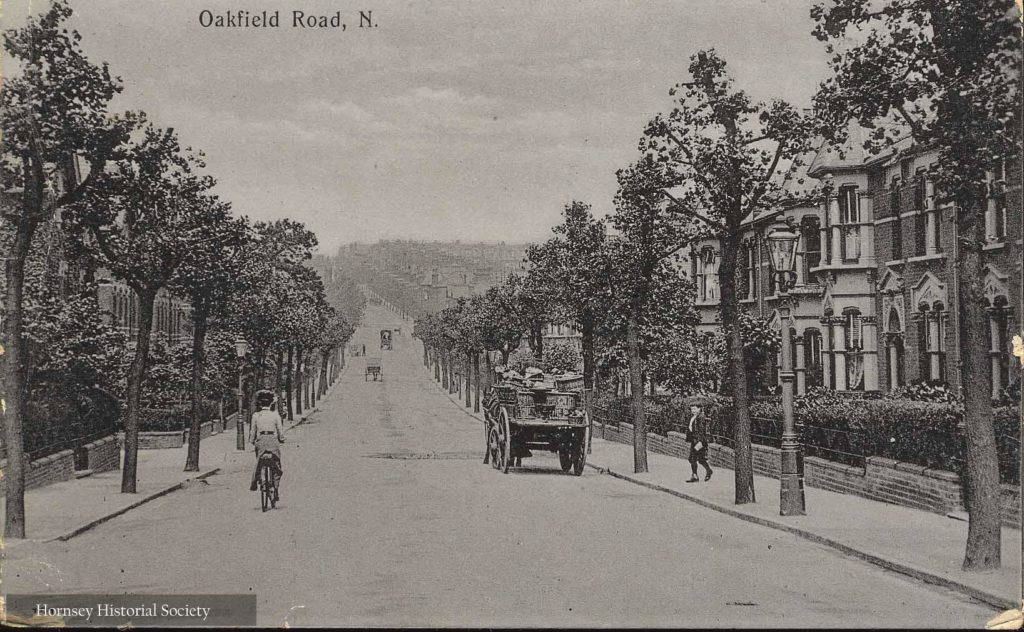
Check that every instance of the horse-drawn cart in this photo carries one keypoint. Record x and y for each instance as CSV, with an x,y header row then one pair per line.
x,y
373,368
522,417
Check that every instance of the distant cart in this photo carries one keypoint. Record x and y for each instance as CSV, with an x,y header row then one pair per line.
x,y
373,368
354,350
385,339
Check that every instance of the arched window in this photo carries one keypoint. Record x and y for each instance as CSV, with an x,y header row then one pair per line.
x,y
999,345
854,330
894,338
931,341
812,358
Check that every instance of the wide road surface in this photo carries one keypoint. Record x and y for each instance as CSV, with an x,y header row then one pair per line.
x,y
389,517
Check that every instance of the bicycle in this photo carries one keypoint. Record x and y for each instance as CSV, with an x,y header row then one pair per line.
x,y
268,484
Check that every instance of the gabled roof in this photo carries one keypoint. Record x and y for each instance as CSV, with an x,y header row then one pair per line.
x,y
852,155
849,156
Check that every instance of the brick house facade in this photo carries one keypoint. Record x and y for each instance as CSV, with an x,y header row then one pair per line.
x,y
875,290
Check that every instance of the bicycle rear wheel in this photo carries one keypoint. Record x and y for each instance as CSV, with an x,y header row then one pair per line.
x,y
266,485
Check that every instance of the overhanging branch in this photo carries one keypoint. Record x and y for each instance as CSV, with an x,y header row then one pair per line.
x,y
681,209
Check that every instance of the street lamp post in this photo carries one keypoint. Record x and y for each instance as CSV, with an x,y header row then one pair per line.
x,y
241,349
782,241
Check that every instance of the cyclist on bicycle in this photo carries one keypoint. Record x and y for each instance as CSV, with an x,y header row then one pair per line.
x,y
266,435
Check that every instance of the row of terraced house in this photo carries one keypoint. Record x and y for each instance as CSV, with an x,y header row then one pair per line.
x,y
876,277
65,274
429,276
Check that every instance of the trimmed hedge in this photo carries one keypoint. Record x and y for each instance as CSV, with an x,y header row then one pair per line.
x,y
846,428
175,418
62,416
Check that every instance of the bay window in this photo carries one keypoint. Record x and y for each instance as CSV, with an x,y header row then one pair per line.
x,y
897,223
849,219
995,214
810,232
706,274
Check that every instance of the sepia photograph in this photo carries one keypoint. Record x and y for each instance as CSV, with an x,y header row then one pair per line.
x,y
491,314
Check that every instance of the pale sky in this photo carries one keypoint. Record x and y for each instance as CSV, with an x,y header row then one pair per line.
x,y
450,120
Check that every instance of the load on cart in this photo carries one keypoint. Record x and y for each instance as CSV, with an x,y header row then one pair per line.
x,y
531,412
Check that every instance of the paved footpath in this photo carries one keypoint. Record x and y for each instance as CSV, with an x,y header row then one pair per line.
x,y
920,544
64,510
389,518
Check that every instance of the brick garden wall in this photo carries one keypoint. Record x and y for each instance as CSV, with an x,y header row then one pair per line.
x,y
102,455
156,440
881,479
49,469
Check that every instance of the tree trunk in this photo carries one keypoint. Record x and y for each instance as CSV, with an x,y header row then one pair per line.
x,y
288,381
437,365
298,380
324,360
136,376
261,368
737,362
636,382
199,325
13,360
476,375
587,327
279,378
307,381
982,485
426,361
504,357
469,372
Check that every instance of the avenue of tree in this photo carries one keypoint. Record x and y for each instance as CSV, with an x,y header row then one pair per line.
x,y
125,197
946,70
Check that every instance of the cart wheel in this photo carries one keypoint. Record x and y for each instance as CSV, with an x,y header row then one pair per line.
x,y
506,442
493,447
581,454
565,459
487,442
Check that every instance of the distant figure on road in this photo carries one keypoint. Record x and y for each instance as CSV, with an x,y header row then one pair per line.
x,y
697,433
267,435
